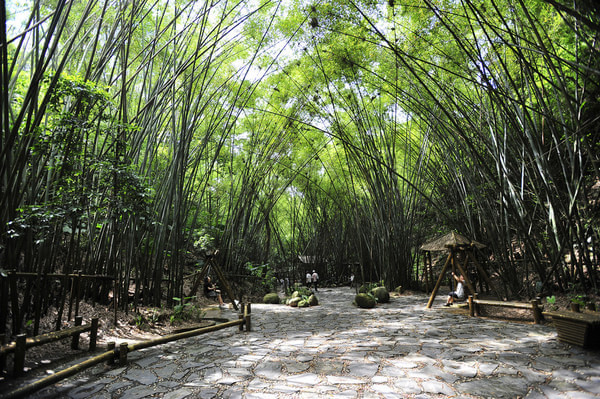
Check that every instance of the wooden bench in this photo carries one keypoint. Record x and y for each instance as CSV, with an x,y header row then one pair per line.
x,y
22,343
582,329
534,306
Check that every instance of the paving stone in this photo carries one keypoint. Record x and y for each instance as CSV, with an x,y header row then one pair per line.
x,y
461,369
498,387
178,394
308,379
270,370
407,386
399,349
328,367
336,380
142,376
142,392
385,390
437,387
85,391
589,386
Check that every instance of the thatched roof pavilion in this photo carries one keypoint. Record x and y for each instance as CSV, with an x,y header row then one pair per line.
x,y
450,240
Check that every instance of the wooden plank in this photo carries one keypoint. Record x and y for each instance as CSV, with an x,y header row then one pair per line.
x,y
519,305
591,318
46,338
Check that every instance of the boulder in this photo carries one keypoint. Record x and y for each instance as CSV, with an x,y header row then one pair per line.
x,y
303,304
271,297
312,300
365,301
294,301
381,294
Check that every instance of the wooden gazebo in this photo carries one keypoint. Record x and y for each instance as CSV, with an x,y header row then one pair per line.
x,y
458,247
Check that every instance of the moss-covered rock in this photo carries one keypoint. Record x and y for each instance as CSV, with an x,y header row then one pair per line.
x,y
399,289
312,300
381,294
294,301
296,294
365,301
271,297
303,304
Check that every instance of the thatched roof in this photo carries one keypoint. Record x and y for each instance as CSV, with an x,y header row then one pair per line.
x,y
450,240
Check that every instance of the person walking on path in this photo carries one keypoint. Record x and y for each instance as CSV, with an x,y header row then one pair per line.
x,y
315,279
308,279
459,293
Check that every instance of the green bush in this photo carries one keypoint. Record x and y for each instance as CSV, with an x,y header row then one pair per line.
x,y
381,294
271,297
365,301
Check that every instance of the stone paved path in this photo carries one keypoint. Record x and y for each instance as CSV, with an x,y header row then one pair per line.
x,y
336,350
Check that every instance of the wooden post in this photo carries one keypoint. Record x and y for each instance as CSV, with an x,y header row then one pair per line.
x,y
241,316
78,292
484,274
537,313
463,272
14,302
94,334
247,317
123,354
115,283
21,346
2,356
75,338
73,283
471,308
3,300
427,265
439,282
225,284
110,346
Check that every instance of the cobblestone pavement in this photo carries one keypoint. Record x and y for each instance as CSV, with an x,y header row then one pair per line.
x,y
396,350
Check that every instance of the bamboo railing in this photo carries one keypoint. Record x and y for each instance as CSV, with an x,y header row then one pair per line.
x,y
121,352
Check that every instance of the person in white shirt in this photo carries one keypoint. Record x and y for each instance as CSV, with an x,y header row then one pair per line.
x,y
459,293
308,279
315,279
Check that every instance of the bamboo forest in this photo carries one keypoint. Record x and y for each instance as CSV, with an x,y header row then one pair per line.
x,y
141,136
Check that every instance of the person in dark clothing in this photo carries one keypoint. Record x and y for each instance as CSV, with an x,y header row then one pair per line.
x,y
211,291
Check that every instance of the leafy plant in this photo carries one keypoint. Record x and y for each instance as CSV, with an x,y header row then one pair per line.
x,y
266,275
579,300
184,310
